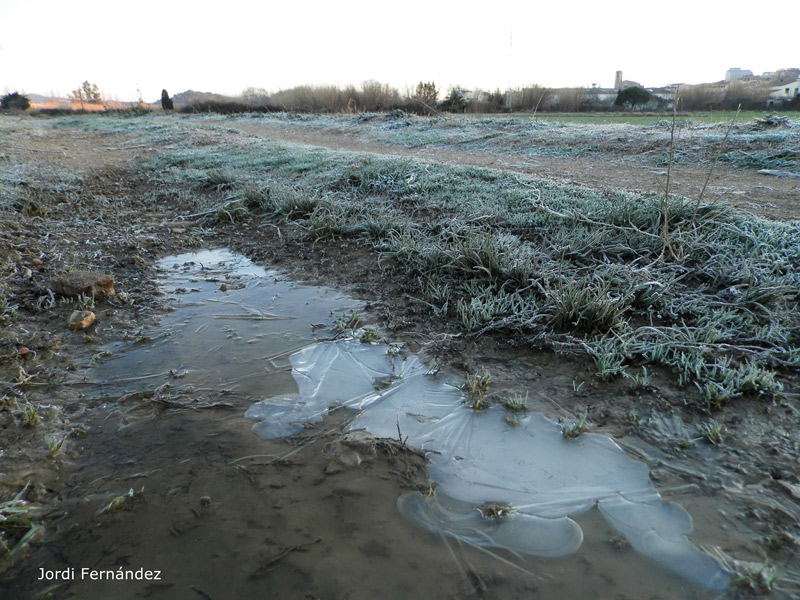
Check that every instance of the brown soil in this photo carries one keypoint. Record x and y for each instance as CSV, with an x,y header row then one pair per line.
x,y
742,494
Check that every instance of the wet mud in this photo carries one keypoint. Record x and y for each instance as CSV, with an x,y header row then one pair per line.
x,y
328,495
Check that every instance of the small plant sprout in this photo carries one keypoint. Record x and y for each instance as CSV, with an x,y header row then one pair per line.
x,y
85,302
350,324
633,418
638,381
711,431
757,581
46,302
54,446
516,403
29,414
386,446
7,311
495,510
474,388
369,336
573,429
576,387
15,517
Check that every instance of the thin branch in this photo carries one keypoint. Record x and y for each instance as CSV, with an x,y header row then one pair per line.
x,y
713,164
665,209
578,216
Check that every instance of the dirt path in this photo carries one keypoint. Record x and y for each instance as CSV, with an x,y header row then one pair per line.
x,y
767,196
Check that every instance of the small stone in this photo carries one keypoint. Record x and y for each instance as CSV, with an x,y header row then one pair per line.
x,y
75,283
205,501
37,261
22,351
81,319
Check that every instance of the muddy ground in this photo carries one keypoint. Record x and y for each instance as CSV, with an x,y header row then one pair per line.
x,y
70,457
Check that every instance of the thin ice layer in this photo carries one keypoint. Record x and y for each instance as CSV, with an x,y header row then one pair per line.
x,y
658,531
480,457
518,532
477,457
356,375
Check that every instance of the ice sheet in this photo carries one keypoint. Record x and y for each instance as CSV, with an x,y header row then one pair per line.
x,y
477,457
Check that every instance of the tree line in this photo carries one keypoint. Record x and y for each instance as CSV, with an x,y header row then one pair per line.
x,y
426,99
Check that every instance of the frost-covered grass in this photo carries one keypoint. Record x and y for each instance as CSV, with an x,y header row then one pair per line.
x,y
750,144
25,186
552,265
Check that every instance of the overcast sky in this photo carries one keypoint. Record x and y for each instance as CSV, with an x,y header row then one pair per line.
x,y
51,46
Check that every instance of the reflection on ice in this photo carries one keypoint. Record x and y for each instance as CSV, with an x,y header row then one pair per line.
x,y
477,457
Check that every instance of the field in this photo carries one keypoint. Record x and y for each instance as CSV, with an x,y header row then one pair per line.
x,y
624,277
698,118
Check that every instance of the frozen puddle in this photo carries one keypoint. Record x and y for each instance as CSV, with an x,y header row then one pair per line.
x,y
527,480
242,333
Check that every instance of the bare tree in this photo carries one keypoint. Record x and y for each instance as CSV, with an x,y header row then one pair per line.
x,y
255,96
88,93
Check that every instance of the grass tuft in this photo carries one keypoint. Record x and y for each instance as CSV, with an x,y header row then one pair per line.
x,y
573,429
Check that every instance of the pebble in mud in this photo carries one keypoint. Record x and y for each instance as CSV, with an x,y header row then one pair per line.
x,y
81,319
205,501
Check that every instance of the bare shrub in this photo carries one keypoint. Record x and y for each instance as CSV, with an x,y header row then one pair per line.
x,y
530,98
570,99
700,97
748,95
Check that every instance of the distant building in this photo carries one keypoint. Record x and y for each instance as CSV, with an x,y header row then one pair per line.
x,y
618,81
597,98
470,95
735,74
664,96
783,76
784,93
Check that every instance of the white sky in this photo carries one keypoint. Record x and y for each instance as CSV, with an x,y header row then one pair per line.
x,y
51,46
